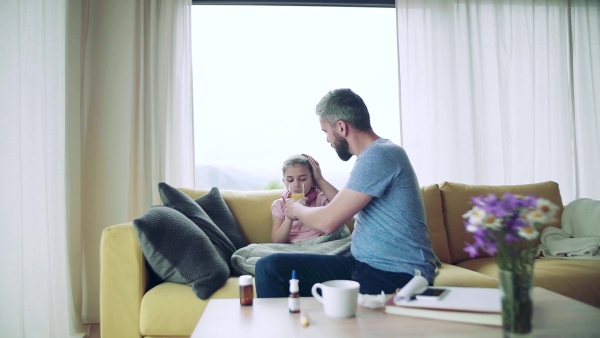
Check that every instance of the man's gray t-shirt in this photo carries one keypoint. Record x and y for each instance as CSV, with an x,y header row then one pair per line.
x,y
390,232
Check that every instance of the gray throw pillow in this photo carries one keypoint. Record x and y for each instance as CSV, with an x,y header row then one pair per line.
x,y
176,199
214,205
179,252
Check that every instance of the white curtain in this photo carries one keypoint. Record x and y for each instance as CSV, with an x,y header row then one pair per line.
x,y
36,277
490,93
136,127
585,16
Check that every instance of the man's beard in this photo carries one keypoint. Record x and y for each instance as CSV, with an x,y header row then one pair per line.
x,y
342,148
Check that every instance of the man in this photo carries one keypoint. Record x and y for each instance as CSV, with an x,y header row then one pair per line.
x,y
390,241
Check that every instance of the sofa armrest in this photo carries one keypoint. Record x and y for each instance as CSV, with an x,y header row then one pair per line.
x,y
123,281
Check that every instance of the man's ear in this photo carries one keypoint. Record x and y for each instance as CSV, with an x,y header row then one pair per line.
x,y
341,127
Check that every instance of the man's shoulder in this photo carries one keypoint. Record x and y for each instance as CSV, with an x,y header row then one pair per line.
x,y
385,150
385,145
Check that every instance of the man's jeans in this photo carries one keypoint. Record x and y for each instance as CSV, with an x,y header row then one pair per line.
x,y
273,273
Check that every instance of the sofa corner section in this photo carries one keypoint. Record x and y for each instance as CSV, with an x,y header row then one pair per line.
x,y
123,281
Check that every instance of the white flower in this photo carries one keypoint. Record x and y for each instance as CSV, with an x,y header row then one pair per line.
x,y
544,212
475,216
535,216
492,222
546,208
528,232
472,228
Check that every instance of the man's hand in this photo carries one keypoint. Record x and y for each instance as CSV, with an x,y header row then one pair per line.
x,y
317,175
326,188
291,205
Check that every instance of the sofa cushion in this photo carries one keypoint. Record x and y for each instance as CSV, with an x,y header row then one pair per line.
x,y
251,209
176,199
172,310
435,221
577,279
452,275
216,208
456,201
178,251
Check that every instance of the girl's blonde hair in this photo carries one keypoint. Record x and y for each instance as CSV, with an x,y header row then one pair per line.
x,y
296,159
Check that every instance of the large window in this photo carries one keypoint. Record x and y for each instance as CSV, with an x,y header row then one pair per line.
x,y
259,71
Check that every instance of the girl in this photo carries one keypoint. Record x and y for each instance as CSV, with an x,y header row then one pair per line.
x,y
301,173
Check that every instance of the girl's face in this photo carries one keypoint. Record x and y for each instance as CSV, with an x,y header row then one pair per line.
x,y
297,175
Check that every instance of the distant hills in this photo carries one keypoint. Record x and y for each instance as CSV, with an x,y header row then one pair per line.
x,y
230,178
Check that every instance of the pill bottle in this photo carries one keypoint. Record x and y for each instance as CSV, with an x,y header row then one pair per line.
x,y
294,298
246,290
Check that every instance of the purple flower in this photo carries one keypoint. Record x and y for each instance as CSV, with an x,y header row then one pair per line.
x,y
471,250
510,238
480,240
491,249
507,219
511,202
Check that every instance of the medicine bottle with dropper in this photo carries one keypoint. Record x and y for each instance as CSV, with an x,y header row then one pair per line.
x,y
294,298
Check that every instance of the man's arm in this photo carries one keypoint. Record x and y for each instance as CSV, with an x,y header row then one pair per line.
x,y
331,217
327,188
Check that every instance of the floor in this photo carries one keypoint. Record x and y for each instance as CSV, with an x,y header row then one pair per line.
x,y
94,331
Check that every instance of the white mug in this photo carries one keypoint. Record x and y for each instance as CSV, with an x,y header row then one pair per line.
x,y
339,297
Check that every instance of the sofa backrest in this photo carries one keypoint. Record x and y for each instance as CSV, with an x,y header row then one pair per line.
x,y
456,201
251,210
444,207
435,221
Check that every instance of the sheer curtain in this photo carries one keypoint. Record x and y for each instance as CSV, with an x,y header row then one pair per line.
x,y
489,94
35,281
136,126
585,35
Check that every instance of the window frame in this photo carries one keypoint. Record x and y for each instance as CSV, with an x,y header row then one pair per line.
x,y
337,3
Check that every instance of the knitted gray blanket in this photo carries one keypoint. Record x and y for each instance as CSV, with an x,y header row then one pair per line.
x,y
579,237
244,259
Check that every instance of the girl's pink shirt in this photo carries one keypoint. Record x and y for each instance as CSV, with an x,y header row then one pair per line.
x,y
299,231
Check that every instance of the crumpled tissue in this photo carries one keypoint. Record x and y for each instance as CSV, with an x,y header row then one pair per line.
x,y
371,301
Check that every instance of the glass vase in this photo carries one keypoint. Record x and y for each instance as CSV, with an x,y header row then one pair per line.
x,y
516,280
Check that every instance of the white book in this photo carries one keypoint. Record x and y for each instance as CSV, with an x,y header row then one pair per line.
x,y
482,318
460,304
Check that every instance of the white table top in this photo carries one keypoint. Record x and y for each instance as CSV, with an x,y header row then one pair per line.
x,y
554,315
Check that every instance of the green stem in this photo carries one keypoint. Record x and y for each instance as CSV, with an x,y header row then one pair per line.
x,y
516,274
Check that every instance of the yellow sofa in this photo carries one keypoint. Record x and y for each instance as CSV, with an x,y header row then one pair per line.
x,y
134,305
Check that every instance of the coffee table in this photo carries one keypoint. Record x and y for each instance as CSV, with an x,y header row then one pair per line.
x,y
554,315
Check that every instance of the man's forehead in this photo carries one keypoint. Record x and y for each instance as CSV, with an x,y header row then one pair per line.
x,y
323,123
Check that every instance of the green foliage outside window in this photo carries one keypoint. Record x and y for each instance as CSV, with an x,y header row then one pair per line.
x,y
274,185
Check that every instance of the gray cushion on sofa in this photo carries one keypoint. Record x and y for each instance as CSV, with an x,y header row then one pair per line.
x,y
176,199
218,211
180,252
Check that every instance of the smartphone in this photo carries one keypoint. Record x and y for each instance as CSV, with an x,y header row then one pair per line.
x,y
432,293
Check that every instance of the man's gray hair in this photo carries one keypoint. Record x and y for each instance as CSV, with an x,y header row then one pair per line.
x,y
343,104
